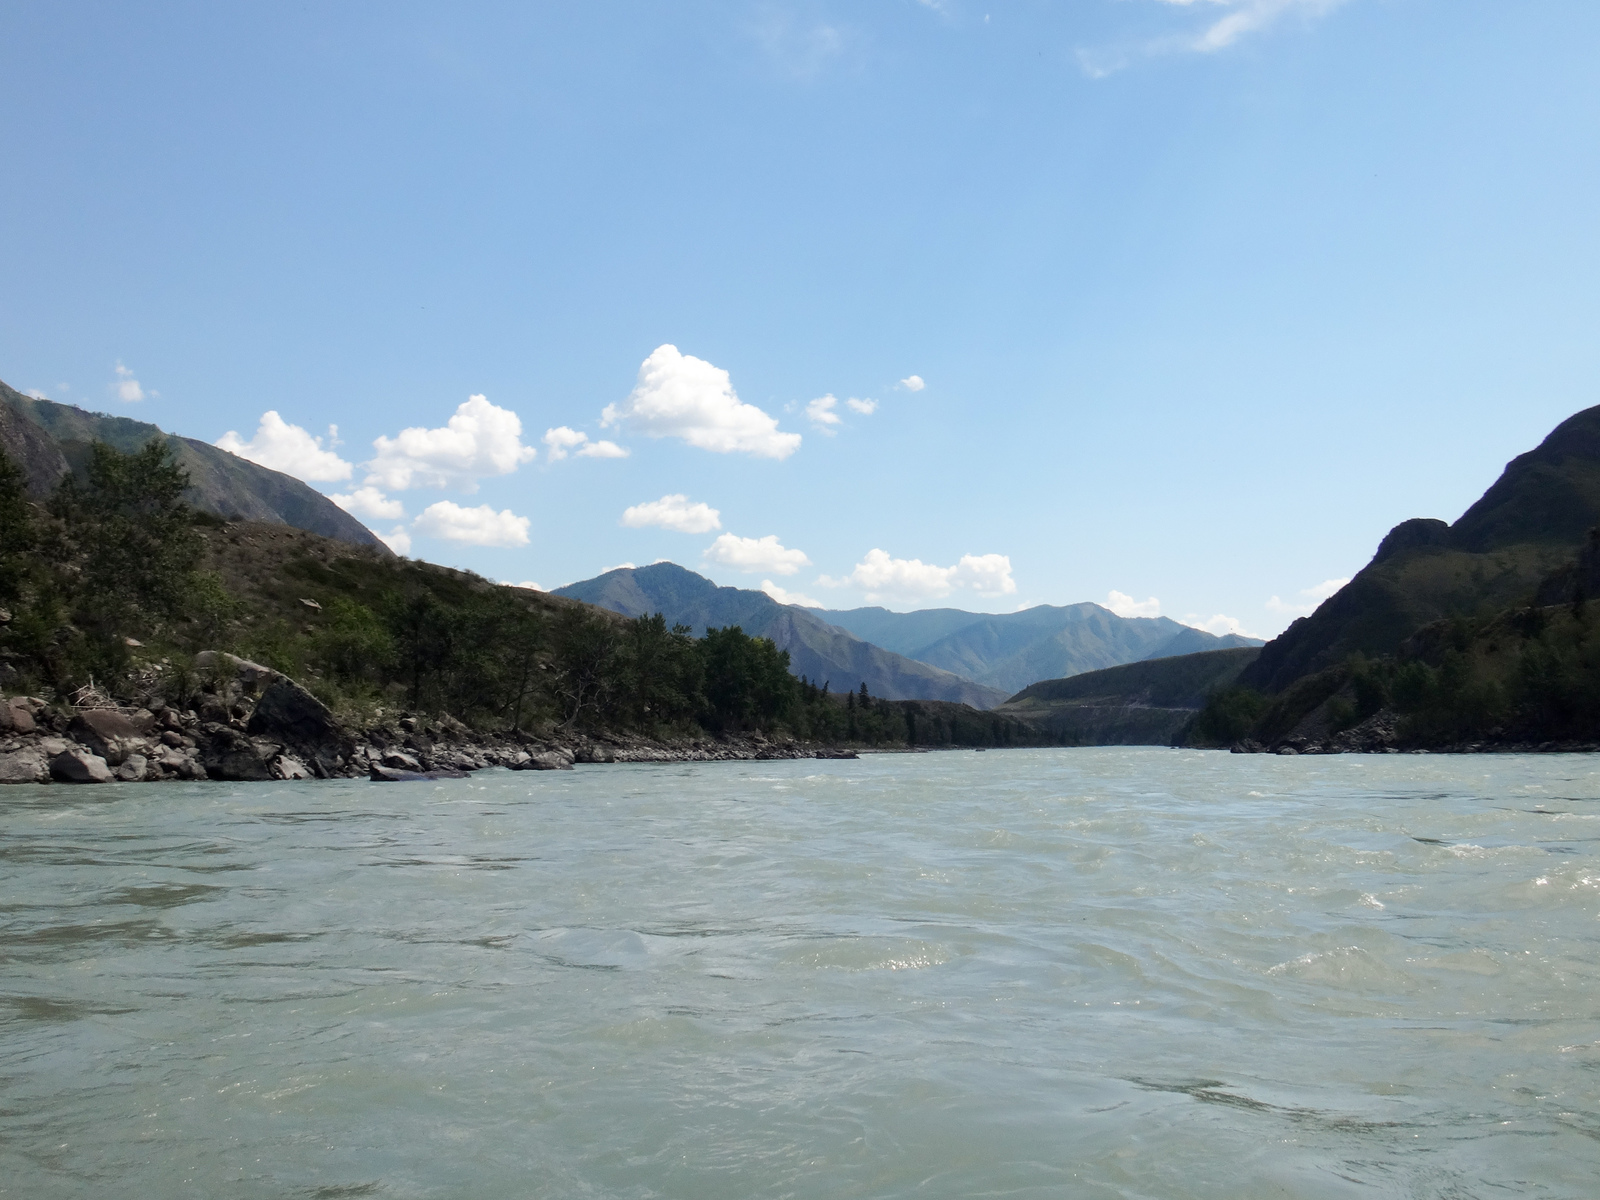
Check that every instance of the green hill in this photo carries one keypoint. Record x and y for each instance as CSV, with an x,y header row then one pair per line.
x,y
48,440
1532,522
817,650
1140,703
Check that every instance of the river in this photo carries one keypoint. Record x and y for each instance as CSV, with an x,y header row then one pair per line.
x,y
1132,973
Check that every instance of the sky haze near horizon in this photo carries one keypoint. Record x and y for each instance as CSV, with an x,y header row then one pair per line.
x,y
1173,305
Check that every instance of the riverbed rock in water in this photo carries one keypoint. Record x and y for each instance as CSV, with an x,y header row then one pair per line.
x,y
27,765
77,765
230,755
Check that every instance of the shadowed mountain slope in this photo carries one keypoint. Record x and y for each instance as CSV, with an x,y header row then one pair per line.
x,y
1532,522
1009,651
817,650
47,440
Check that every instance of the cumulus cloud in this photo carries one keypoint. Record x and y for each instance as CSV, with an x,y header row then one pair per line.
x,y
369,504
786,597
526,583
1126,606
290,449
624,566
480,526
1220,625
882,577
397,539
1311,598
865,407
480,440
756,556
673,512
562,439
678,395
126,387
36,394
913,383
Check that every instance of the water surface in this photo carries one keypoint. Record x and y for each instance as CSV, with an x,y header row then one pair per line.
x,y
1065,973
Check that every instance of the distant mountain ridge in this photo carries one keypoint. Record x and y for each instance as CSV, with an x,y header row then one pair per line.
x,y
1010,651
818,650
48,440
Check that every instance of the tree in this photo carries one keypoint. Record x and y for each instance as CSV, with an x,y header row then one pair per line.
x,y
19,534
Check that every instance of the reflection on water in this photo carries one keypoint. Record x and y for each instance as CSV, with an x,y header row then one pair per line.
x,y
1084,973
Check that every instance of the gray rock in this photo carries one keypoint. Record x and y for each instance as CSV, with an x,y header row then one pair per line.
x,y
133,769
27,765
252,676
77,765
286,766
401,761
230,755
549,760
109,734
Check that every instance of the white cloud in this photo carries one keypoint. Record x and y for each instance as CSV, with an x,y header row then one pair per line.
x,y
913,383
480,440
787,597
756,555
1247,16
1219,625
397,539
673,512
624,566
526,583
126,387
562,439
1126,606
865,407
370,504
290,449
480,526
820,413
909,579
1313,597
681,396
36,394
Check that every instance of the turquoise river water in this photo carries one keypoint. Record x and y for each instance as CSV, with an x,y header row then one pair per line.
x,y
1066,973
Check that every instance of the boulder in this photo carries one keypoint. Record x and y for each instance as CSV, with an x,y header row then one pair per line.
x,y
27,765
286,766
77,765
251,676
289,714
109,734
133,769
230,755
394,775
399,760
16,716
548,760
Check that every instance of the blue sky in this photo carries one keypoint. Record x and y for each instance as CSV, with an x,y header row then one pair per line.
x,y
1202,297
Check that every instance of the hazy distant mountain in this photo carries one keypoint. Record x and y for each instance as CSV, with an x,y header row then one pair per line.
x,y
47,440
1009,651
818,650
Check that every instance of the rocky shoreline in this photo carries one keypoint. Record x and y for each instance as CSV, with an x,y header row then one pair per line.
x,y
1380,734
245,722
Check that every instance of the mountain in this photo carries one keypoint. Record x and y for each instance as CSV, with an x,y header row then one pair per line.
x,y
1532,522
1136,704
817,650
48,440
1009,651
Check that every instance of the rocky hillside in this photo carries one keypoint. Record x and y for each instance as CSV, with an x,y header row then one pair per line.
x,y
48,440
823,653
1531,523
1144,703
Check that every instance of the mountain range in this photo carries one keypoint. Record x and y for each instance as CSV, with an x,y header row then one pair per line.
x,y
935,654
49,440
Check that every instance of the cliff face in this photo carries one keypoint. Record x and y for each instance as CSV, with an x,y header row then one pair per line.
x,y
47,440
1531,523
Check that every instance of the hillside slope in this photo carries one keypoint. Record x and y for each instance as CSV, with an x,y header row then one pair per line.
x,y
817,650
1009,651
47,440
1141,703
1531,522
